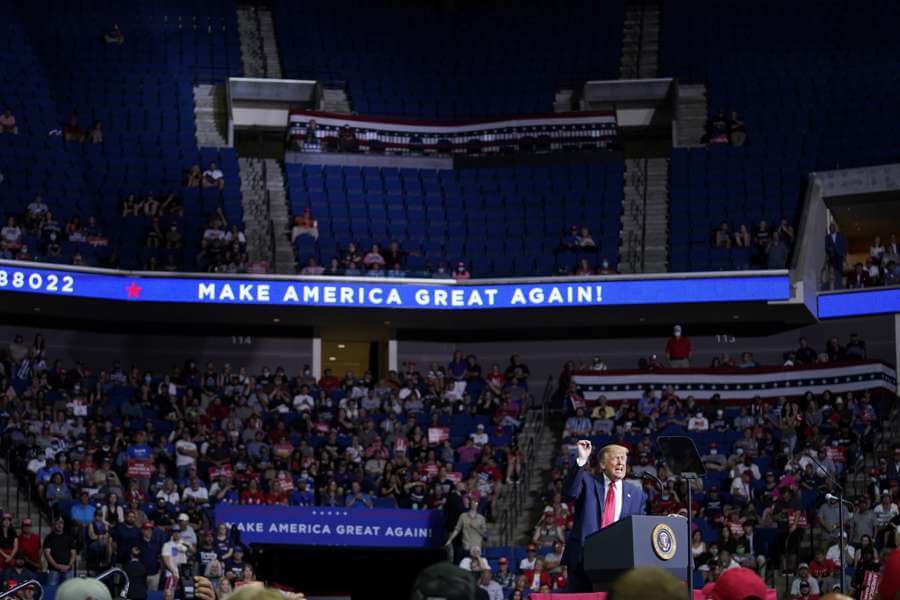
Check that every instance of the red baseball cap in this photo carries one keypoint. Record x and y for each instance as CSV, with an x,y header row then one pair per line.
x,y
890,576
26,521
736,584
147,525
503,560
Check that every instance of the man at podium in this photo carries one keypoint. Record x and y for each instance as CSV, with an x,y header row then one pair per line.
x,y
600,500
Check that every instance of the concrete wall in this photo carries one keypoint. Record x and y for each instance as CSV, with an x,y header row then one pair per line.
x,y
159,352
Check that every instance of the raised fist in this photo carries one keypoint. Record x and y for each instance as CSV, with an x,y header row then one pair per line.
x,y
584,449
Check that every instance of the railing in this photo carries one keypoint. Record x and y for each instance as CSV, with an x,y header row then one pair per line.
x,y
270,228
536,420
21,493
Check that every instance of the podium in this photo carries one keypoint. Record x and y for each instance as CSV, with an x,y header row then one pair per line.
x,y
637,541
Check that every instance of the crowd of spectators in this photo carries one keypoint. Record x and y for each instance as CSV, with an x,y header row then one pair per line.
x,y
123,458
882,267
725,129
769,463
768,248
37,234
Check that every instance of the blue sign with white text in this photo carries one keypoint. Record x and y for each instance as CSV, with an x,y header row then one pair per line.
x,y
395,294
856,303
334,526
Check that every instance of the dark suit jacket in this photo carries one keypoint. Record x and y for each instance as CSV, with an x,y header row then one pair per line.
x,y
836,250
589,494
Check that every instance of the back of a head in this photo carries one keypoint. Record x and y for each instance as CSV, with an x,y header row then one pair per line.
x,y
443,581
81,588
255,591
648,582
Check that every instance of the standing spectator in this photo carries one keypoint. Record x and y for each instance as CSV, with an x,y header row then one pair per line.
x,y
150,544
737,130
805,354
835,257
373,257
802,577
723,236
862,523
577,425
679,350
8,123
59,550
194,177
9,542
185,454
11,235
777,252
173,554
137,575
29,546
742,237
473,527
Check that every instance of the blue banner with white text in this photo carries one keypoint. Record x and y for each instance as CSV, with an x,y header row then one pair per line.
x,y
334,526
392,293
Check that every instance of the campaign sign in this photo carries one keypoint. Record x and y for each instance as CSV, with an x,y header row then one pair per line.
x,y
334,526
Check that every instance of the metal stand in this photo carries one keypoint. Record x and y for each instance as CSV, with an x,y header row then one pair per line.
x,y
840,497
690,519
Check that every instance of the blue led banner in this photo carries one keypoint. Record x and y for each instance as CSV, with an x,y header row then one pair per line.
x,y
393,294
330,526
857,303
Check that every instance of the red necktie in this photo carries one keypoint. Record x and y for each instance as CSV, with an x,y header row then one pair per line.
x,y
609,507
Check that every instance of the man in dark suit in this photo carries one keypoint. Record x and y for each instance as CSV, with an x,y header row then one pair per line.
x,y
600,500
836,256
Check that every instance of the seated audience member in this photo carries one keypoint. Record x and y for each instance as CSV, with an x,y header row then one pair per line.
x,y
723,236
11,235
585,240
95,135
461,273
347,141
786,231
312,267
718,129
606,268
891,273
72,131
762,238
859,278
194,177
584,268
334,267
373,258
213,177
114,36
570,238
737,130
305,224
8,123
311,132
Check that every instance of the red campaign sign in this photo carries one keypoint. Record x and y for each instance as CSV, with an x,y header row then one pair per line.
x,y
455,476
798,517
223,471
283,449
836,454
321,427
400,444
438,435
140,469
429,470
870,585
285,482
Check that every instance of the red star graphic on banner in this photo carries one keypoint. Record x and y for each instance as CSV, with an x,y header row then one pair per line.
x,y
134,291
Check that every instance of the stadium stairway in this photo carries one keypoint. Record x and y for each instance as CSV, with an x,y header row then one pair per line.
x,y
16,500
272,64
210,115
690,116
541,473
335,100
645,251
265,203
640,40
251,47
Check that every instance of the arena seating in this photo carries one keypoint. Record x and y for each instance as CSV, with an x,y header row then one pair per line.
x,y
483,59
501,221
140,90
816,86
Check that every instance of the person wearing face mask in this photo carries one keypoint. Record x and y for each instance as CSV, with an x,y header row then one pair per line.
x,y
679,349
713,460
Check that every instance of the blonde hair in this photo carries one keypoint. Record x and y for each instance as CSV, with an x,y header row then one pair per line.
x,y
609,448
255,591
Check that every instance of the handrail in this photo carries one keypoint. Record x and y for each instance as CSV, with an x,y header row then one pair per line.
x,y
113,571
644,213
11,591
